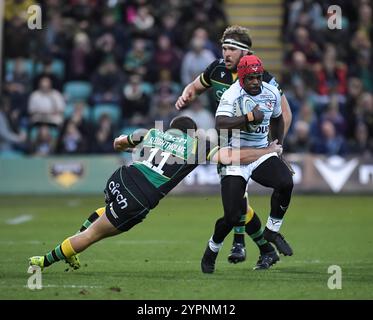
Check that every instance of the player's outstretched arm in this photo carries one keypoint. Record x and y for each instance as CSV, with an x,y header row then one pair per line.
x,y
190,92
229,156
121,143
128,142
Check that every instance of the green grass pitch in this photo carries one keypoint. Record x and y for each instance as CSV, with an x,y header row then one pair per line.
x,y
160,258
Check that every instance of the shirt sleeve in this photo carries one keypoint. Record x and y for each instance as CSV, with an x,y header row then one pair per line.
x,y
137,136
205,77
226,105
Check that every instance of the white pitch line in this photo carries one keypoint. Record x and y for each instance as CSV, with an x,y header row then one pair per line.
x,y
20,219
69,286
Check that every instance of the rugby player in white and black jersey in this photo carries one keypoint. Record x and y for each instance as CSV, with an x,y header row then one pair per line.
x,y
261,106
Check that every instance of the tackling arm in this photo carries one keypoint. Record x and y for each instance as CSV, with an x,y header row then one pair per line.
x,y
127,142
277,128
229,156
190,92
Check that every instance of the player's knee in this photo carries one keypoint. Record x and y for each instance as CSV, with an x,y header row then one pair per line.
x,y
233,219
90,236
286,183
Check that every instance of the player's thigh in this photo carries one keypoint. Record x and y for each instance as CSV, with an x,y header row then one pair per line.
x,y
102,228
233,196
272,173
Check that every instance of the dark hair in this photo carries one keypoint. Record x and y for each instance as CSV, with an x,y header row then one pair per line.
x,y
183,124
237,33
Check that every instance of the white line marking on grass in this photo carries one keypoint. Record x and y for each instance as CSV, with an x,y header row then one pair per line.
x,y
11,242
69,286
131,242
73,202
20,219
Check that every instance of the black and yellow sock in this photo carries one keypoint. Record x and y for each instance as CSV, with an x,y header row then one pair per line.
x,y
254,230
239,231
61,252
92,218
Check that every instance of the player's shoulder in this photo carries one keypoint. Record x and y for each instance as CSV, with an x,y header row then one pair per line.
x,y
217,63
234,91
270,89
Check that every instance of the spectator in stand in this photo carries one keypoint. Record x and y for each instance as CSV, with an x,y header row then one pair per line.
x,y
162,111
143,22
297,71
75,132
104,135
302,42
328,142
80,62
365,110
363,69
354,91
362,143
17,88
107,83
9,139
195,61
299,141
138,58
333,114
56,39
170,26
209,45
71,141
44,143
331,75
136,102
166,56
46,105
18,39
47,71
106,47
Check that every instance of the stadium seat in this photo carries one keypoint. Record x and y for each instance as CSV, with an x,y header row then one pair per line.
x,y
54,132
113,110
77,90
58,68
69,109
29,66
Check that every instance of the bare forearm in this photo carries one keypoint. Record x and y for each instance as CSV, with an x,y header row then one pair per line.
x,y
229,123
277,129
230,156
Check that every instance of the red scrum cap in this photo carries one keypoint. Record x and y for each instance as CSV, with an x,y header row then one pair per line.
x,y
249,65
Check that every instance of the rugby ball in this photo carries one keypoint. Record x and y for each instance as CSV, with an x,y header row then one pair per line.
x,y
242,107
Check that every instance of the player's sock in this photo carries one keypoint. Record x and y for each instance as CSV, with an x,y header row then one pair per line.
x,y
279,204
274,224
215,247
61,252
254,230
239,231
92,218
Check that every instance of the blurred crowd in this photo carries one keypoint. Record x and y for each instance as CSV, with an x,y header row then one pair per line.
x,y
328,77
98,68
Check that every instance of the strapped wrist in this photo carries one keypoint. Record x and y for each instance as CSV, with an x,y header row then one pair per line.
x,y
250,117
